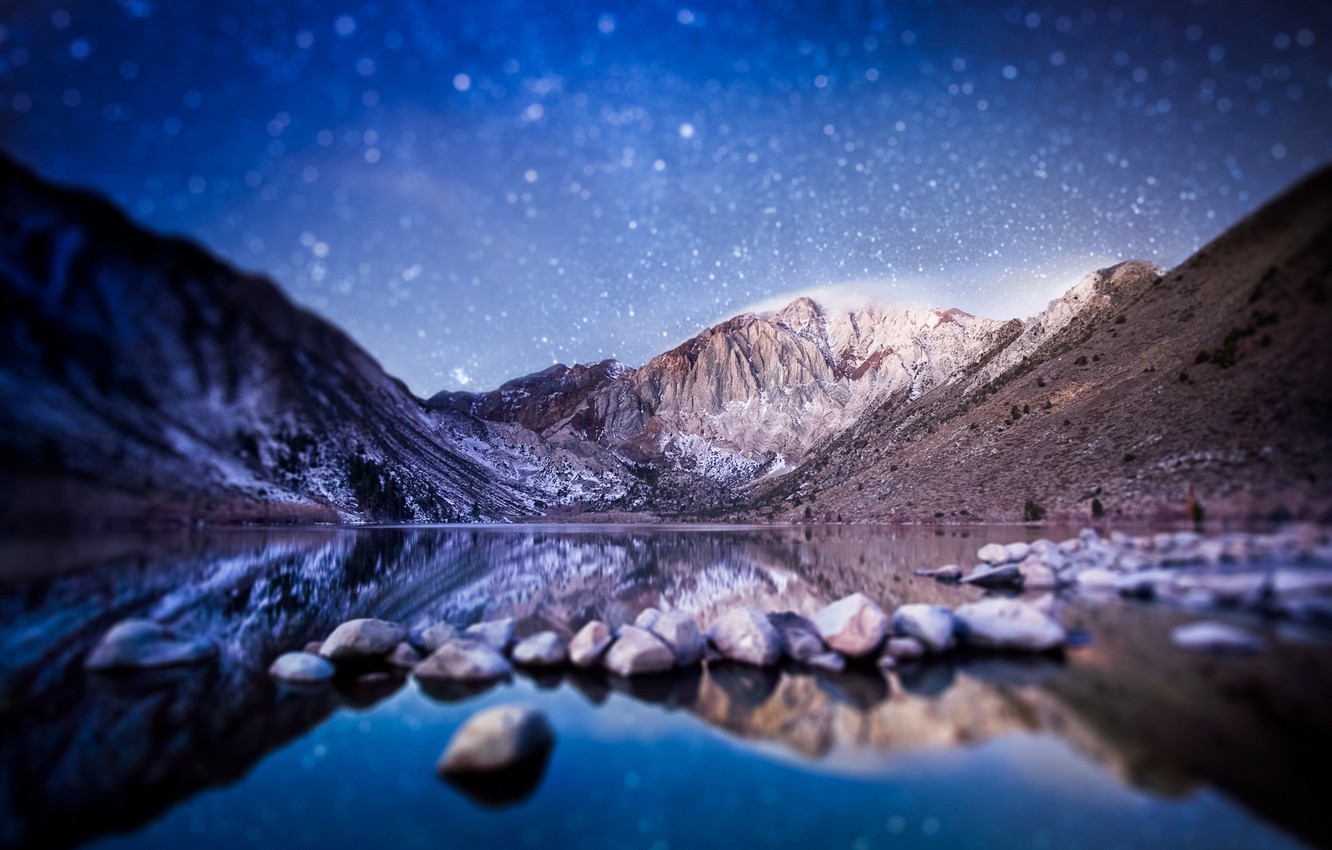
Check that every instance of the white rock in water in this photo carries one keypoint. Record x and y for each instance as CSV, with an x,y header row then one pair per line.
x,y
745,635
497,739
1097,578
145,643
932,625
1208,636
853,625
993,553
681,633
1017,551
404,656
637,651
463,660
1003,575
831,661
301,668
948,573
587,647
646,618
362,640
496,634
1008,624
905,648
432,638
543,649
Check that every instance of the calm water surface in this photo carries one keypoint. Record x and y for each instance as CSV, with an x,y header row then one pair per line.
x,y
1126,742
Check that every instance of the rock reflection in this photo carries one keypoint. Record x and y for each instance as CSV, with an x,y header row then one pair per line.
x,y
85,755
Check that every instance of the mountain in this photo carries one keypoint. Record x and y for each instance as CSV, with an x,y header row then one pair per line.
x,y
141,378
1130,391
742,399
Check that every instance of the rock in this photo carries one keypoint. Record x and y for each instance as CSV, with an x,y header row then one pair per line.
x,y
745,635
132,644
831,661
1007,575
1037,576
433,637
1008,624
313,647
800,637
543,649
362,640
1070,547
1208,636
1017,551
932,625
463,660
1235,589
886,663
853,625
681,633
949,573
301,668
1097,578
496,634
993,553
637,651
1147,584
497,739
905,648
1299,582
1088,536
587,647
646,618
404,656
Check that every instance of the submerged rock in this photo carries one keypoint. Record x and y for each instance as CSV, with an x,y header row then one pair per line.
x,y
1009,624
932,625
463,660
680,632
800,637
745,635
544,649
136,644
362,640
587,647
949,573
1007,575
496,634
1208,636
854,625
499,755
637,651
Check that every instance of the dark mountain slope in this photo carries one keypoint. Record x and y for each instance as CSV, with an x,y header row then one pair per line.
x,y
139,377
1217,375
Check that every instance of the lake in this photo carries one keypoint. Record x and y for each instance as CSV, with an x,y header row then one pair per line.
x,y
1125,741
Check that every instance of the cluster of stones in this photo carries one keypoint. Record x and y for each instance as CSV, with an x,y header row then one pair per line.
x,y
853,628
1284,574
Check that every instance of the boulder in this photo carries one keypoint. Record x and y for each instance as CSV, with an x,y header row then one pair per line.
x,y
1036,575
1097,578
800,637
1017,551
498,738
431,638
637,651
543,649
1006,575
949,573
854,625
362,640
904,648
833,662
137,644
745,635
1008,624
463,660
680,632
993,553
404,656
587,647
932,625
301,668
646,618
1208,636
496,634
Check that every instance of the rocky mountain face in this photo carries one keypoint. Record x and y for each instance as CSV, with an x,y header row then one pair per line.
x,y
743,399
1133,390
141,378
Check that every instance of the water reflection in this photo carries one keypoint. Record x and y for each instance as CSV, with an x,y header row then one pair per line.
x,y
84,755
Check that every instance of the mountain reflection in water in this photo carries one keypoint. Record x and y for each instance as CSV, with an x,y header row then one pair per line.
x,y
84,755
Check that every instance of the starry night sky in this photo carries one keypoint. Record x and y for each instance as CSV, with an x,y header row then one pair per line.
x,y
477,189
